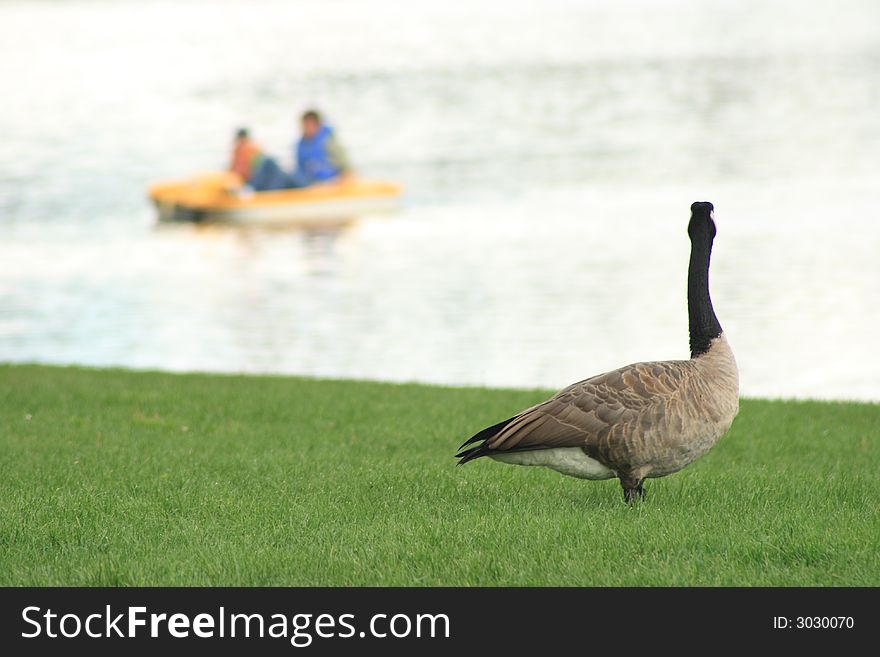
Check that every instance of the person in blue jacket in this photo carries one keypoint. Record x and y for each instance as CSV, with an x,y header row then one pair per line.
x,y
318,155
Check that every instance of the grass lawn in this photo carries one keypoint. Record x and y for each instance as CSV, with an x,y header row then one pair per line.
x,y
130,478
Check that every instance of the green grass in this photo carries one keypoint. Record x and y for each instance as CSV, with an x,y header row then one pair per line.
x,y
127,478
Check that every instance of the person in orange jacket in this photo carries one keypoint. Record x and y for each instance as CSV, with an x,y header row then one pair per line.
x,y
258,171
245,153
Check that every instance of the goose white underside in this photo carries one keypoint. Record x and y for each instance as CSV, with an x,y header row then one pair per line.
x,y
571,461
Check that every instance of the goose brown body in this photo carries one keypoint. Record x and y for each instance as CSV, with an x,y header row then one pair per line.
x,y
639,421
646,419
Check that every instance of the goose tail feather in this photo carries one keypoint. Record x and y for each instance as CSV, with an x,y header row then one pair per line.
x,y
477,451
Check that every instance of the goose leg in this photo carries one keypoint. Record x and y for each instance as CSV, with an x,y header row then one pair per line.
x,y
633,488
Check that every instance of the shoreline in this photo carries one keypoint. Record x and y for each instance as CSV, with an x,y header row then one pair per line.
x,y
545,390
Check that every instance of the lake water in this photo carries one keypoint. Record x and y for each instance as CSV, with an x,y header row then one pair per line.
x,y
550,153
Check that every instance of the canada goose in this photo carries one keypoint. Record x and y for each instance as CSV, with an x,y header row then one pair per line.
x,y
639,421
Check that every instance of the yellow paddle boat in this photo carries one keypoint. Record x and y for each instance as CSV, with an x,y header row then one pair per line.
x,y
221,197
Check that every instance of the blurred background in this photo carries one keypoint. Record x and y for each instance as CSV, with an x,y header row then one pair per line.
x,y
550,151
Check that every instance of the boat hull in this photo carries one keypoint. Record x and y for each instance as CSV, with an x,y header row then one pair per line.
x,y
218,198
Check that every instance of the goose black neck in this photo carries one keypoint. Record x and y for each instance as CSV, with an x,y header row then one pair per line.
x,y
702,322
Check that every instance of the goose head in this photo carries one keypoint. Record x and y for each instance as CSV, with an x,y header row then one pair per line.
x,y
702,223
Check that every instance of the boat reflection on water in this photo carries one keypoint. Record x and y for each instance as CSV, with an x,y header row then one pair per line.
x,y
294,248
322,228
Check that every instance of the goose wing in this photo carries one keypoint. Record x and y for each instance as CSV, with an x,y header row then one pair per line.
x,y
592,413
